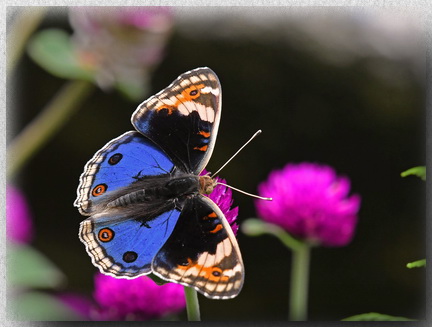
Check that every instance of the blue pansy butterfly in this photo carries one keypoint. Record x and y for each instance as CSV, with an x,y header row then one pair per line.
x,y
145,199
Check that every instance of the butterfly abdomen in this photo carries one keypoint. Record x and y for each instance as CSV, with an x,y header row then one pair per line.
x,y
130,198
158,190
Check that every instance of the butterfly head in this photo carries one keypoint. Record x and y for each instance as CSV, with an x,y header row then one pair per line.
x,y
207,184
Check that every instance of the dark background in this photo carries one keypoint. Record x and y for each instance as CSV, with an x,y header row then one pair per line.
x,y
368,126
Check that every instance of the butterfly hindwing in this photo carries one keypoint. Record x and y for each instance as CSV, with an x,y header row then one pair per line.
x,y
183,119
120,163
123,247
202,251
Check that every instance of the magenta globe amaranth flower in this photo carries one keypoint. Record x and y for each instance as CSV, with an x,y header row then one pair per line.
x,y
222,196
19,225
135,299
310,202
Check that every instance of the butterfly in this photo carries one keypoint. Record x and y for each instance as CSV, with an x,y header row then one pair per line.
x,y
146,201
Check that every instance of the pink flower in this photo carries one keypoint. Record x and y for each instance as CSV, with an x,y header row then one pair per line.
x,y
120,44
135,299
19,226
222,196
311,202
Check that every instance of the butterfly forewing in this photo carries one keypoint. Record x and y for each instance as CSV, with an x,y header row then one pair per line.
x,y
120,163
183,119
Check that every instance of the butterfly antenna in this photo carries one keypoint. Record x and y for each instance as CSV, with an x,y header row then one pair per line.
x,y
232,157
250,194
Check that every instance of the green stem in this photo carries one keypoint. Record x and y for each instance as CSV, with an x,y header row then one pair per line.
x,y
256,227
192,305
299,283
43,127
24,25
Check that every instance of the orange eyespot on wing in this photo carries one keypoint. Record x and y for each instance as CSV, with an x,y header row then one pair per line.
x,y
192,92
187,94
99,189
106,235
169,109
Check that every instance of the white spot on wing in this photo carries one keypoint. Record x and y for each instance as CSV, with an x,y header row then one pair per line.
x,y
185,83
186,107
194,79
205,113
221,287
229,273
227,246
211,90
203,258
168,101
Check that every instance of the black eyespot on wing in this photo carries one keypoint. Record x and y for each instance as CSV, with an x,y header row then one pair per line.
x,y
115,159
130,256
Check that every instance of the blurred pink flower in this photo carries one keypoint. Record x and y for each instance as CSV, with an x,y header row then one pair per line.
x,y
222,196
19,225
311,202
135,299
80,304
120,44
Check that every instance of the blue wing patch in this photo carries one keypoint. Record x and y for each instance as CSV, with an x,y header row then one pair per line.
x,y
121,162
123,247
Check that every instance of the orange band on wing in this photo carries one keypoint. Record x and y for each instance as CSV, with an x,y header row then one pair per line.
x,y
188,94
205,134
213,274
203,148
217,229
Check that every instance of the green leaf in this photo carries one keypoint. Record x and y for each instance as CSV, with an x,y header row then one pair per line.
x,y
373,316
419,171
417,264
28,268
53,51
37,306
